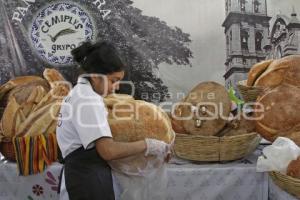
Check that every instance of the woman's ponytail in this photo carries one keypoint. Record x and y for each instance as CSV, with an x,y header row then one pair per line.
x,y
101,57
80,53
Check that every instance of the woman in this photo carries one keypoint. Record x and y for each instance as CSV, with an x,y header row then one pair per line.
x,y
83,133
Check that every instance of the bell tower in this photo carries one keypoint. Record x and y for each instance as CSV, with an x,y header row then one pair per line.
x,y
246,31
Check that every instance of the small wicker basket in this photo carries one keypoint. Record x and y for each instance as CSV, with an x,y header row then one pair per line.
x,y
7,148
212,148
287,183
249,93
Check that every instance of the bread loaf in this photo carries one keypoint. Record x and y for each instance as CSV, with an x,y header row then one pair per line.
x,y
239,126
177,123
275,73
31,108
22,92
22,80
132,120
34,98
281,113
213,106
40,121
53,77
292,76
12,118
257,70
58,92
293,168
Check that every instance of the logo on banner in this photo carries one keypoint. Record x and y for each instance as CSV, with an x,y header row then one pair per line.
x,y
58,29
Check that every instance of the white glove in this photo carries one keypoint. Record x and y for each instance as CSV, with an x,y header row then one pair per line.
x,y
157,148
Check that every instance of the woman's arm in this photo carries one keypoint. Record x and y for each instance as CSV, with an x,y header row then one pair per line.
x,y
108,149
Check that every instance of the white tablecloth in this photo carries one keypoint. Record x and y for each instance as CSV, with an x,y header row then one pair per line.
x,y
276,193
186,181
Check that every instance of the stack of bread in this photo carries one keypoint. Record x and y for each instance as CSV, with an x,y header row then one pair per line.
x,y
271,73
210,126
280,98
206,111
132,120
32,104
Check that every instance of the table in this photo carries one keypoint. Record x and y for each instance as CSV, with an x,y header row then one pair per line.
x,y
276,193
186,181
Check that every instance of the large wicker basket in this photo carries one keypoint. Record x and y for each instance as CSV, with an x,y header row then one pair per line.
x,y
249,93
287,183
208,149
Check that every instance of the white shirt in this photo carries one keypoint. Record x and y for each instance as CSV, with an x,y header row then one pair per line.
x,y
82,120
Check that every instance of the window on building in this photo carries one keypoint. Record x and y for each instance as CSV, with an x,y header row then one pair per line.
x,y
227,44
230,35
278,52
258,41
244,39
256,6
244,61
243,5
278,26
227,6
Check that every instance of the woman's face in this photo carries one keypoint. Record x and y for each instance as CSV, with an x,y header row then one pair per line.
x,y
107,84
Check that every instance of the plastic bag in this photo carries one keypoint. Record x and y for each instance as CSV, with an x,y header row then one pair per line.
x,y
152,186
277,156
139,165
140,177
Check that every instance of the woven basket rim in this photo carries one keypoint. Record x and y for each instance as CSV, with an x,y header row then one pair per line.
x,y
6,139
215,149
252,86
287,183
276,175
214,137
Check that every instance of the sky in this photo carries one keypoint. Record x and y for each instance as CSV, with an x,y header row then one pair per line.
x,y
202,19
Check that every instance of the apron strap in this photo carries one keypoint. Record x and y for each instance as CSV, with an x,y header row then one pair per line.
x,y
63,167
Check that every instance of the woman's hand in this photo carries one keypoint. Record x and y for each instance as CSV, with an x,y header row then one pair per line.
x,y
108,149
158,148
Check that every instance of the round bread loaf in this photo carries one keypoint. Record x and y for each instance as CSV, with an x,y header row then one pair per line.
x,y
277,70
292,76
293,168
257,70
177,124
208,110
132,120
281,113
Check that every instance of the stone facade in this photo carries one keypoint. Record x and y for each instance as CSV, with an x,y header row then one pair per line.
x,y
246,30
284,37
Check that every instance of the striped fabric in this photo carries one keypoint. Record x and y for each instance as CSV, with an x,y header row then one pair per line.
x,y
34,154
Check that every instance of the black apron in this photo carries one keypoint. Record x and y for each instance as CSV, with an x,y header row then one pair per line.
x,y
88,176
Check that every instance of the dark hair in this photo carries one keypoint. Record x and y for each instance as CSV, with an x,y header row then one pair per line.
x,y
101,57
